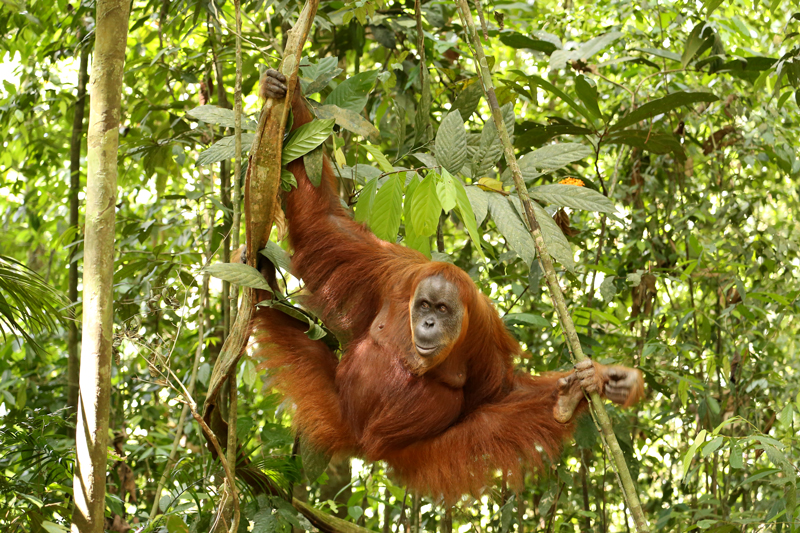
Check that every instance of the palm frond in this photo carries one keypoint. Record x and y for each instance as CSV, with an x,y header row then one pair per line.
x,y
28,305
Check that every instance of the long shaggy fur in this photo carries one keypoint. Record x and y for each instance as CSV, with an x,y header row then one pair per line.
x,y
443,440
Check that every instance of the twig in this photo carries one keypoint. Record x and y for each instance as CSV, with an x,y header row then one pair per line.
x,y
626,481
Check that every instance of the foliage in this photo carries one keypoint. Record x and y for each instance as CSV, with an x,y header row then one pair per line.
x,y
679,250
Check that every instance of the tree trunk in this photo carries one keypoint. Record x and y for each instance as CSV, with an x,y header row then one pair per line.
x,y
98,269
74,188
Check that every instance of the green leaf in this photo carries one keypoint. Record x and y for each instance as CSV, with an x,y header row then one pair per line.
x,y
384,219
220,116
313,164
288,181
315,461
412,238
557,244
511,227
658,143
353,92
314,332
363,206
587,93
560,58
479,200
512,319
687,459
223,149
446,191
467,215
786,416
306,138
239,274
693,43
712,446
662,105
573,197
350,120
736,456
488,152
425,207
277,256
711,5
451,143
317,76
376,153
536,81
517,40
554,156
468,99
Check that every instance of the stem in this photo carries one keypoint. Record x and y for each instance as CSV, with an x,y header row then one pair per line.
x,y
91,433
627,484
237,168
73,361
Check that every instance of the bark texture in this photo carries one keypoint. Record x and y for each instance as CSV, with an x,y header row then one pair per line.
x,y
91,436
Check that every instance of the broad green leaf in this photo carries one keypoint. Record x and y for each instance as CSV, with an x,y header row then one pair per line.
x,y
662,105
223,149
693,43
488,152
306,138
239,274
658,143
317,76
376,154
288,181
366,197
537,81
313,164
687,459
349,120
220,116
446,190
547,159
479,200
560,58
451,143
736,456
52,527
587,93
557,244
425,207
384,219
413,239
712,446
314,332
573,197
468,99
277,256
467,215
353,92
711,5
426,159
526,319
786,416
517,40
314,460
511,227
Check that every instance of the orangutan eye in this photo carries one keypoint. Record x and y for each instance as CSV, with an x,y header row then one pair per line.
x,y
425,305
443,308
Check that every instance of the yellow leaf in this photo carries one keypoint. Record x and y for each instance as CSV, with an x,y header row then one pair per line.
x,y
490,184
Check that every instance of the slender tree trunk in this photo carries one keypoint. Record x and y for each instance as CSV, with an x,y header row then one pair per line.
x,y
91,437
74,188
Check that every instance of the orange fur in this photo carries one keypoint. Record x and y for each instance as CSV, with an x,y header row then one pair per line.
x,y
446,432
